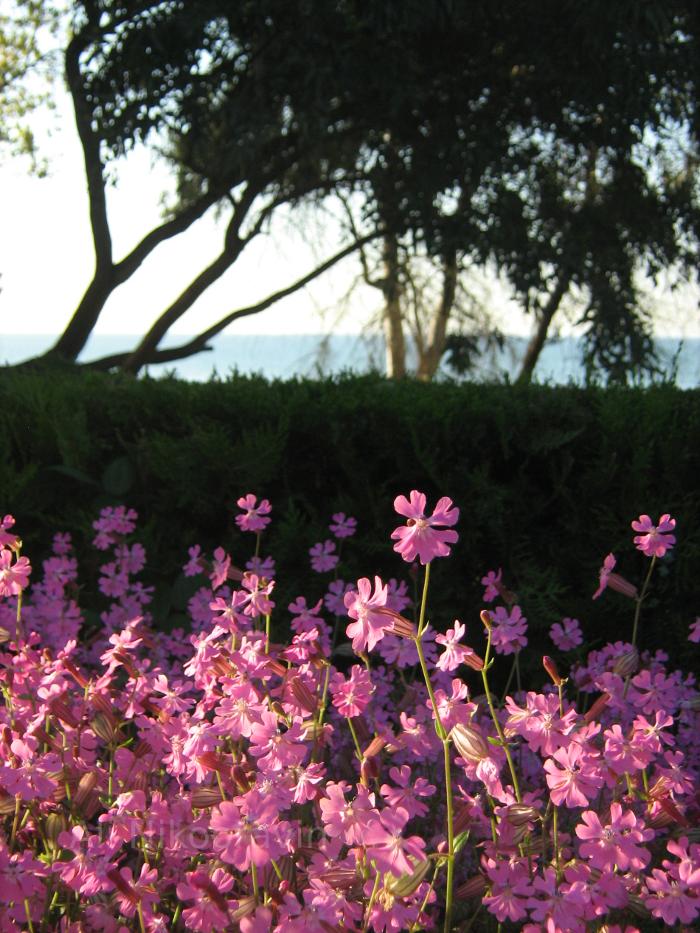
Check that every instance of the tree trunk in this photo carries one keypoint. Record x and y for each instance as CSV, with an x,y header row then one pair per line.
x,y
393,318
429,359
538,339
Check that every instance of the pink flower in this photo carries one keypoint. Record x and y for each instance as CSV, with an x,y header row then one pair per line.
x,y
210,911
351,697
420,536
254,516
387,845
695,630
366,608
6,538
616,842
508,630
453,654
614,580
323,556
567,635
572,776
510,886
342,526
492,582
246,834
654,540
13,578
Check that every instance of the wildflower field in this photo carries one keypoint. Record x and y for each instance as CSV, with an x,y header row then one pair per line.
x,y
365,773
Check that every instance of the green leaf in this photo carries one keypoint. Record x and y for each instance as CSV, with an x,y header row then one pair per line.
x,y
73,473
118,477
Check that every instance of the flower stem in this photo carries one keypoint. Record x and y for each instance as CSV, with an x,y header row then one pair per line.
x,y
640,599
494,717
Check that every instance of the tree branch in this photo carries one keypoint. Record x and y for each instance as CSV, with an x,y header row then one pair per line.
x,y
199,343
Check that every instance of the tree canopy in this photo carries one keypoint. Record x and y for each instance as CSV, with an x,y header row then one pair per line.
x,y
555,142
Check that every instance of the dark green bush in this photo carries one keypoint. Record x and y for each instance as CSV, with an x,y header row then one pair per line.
x,y
547,480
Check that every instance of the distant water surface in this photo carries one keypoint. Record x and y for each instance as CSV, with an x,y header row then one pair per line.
x,y
316,355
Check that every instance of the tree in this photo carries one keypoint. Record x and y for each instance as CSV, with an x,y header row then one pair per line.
x,y
538,138
173,75
531,137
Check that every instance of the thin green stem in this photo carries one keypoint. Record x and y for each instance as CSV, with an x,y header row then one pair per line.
x,y
424,600
355,739
640,599
497,725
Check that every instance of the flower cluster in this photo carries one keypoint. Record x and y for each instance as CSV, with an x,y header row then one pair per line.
x,y
218,779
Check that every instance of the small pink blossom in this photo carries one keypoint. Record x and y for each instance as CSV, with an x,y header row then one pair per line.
x,y
323,556
572,776
453,653
365,607
421,536
13,577
567,634
508,630
492,582
695,631
255,516
654,540
343,526
351,697
615,843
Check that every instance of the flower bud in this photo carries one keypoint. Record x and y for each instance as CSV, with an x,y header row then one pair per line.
x,y
626,664
105,726
472,887
369,770
485,617
472,659
407,884
60,710
340,878
597,707
303,695
246,907
202,797
551,668
240,778
620,585
470,743
54,825
520,814
462,819
374,747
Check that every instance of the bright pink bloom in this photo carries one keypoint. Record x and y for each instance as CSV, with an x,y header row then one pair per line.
x,y
247,834
351,697
13,577
343,526
323,556
654,540
366,608
421,537
614,580
210,911
348,820
254,516
407,791
454,653
508,630
616,843
387,845
510,888
567,634
572,776
6,538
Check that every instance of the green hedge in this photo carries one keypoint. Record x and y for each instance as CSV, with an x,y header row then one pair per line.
x,y
547,480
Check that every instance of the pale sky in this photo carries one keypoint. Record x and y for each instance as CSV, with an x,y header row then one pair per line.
x,y
46,260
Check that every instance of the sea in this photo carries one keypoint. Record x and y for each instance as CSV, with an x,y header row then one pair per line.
x,y
323,355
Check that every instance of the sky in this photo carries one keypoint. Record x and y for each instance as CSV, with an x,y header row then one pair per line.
x,y
46,259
